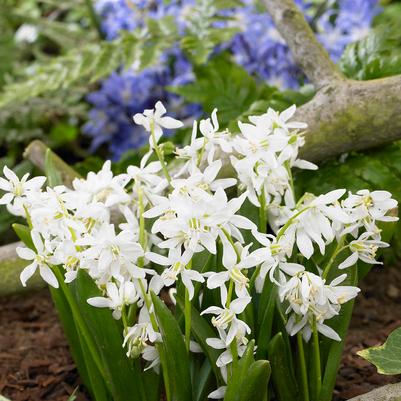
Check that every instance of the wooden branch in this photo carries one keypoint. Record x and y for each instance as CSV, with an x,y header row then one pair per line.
x,y
351,115
307,51
36,153
345,114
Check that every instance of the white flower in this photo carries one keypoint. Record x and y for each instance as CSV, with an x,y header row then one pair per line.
x,y
202,181
40,259
313,223
216,143
364,249
278,122
148,175
178,267
226,318
139,337
234,273
103,187
117,297
152,119
16,189
374,204
112,255
310,298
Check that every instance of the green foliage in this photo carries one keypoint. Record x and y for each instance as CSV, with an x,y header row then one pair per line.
x,y
375,169
93,61
176,356
224,85
377,55
386,357
202,35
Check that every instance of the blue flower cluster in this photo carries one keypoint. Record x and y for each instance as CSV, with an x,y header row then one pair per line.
x,y
258,48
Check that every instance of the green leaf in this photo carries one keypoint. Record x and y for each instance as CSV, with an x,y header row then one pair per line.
x,y
24,234
375,56
255,382
86,367
122,379
142,47
386,357
176,356
203,385
283,376
202,35
331,351
201,331
224,85
266,311
235,385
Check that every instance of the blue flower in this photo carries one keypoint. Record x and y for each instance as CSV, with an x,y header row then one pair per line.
x,y
259,48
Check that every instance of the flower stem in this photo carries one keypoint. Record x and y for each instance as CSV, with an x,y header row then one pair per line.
x,y
187,319
289,222
28,217
302,364
339,248
316,357
159,153
142,231
262,212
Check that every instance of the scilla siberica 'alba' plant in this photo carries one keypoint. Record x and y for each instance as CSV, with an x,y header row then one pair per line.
x,y
249,272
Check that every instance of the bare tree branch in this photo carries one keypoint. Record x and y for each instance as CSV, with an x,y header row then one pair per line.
x,y
351,115
308,53
36,153
344,115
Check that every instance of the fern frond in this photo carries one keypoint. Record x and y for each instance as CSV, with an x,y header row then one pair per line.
x,y
139,49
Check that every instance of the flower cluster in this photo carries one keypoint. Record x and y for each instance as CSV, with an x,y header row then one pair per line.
x,y
259,48
142,231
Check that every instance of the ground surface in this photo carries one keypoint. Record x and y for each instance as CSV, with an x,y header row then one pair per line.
x,y
35,363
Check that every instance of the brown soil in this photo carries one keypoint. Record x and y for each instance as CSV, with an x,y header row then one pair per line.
x,y
35,363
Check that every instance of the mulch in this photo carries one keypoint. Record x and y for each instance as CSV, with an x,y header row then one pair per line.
x,y
35,362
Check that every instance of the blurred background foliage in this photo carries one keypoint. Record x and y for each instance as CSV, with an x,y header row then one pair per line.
x,y
73,73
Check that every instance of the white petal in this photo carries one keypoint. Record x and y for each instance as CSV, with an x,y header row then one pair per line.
x,y
6,198
170,123
99,302
47,275
218,394
27,273
304,244
350,261
25,253
328,332
229,255
239,304
158,259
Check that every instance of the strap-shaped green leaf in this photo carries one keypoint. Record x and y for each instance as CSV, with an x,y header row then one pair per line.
x,y
386,357
105,333
201,331
283,376
256,381
331,351
24,234
175,355
266,313
235,383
